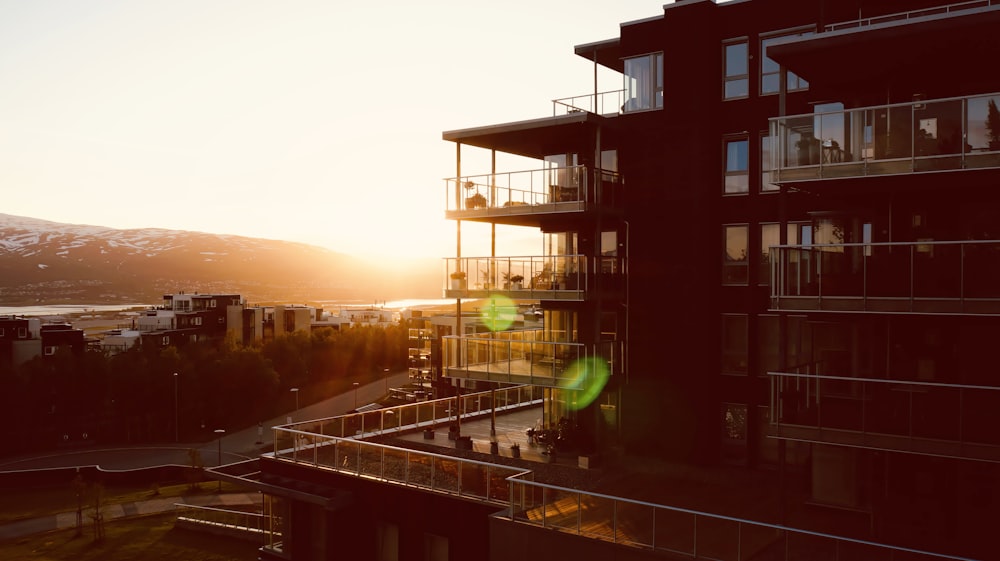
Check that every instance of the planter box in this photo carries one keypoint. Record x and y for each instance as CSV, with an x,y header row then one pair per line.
x,y
458,284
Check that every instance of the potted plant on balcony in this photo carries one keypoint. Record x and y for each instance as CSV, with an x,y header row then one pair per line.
x,y
458,280
516,282
475,201
993,124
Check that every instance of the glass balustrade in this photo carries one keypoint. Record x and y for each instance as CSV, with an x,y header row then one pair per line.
x,y
916,277
922,136
538,190
916,416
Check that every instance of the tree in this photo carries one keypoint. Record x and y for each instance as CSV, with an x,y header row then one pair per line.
x,y
993,124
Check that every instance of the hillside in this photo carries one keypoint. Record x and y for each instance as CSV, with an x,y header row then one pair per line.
x,y
53,263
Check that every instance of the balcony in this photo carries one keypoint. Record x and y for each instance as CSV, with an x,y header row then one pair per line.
x,y
603,103
918,137
524,357
926,277
494,197
950,420
549,277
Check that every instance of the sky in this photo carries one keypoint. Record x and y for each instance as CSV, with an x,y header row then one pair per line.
x,y
316,121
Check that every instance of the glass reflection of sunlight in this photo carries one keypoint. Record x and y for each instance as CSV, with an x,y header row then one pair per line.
x,y
589,376
498,313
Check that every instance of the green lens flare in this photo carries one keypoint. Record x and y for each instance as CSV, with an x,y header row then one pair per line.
x,y
499,313
588,376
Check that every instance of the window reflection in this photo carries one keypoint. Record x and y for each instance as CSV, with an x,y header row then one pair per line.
x,y
770,71
737,80
737,166
734,266
644,82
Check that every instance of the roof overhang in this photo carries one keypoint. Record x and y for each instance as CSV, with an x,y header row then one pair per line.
x,y
607,53
899,55
535,138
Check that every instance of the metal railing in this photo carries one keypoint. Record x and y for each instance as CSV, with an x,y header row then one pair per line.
x,y
411,416
916,416
912,14
438,473
536,272
525,356
602,103
520,191
950,277
237,520
683,531
586,514
919,136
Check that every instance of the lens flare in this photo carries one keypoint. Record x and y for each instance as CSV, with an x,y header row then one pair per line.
x,y
499,312
588,376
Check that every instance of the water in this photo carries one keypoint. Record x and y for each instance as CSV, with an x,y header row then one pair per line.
x,y
93,309
67,309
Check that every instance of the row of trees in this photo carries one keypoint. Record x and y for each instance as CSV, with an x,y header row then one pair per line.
x,y
135,396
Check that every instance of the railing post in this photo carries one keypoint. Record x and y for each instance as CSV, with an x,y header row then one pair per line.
x,y
579,512
694,542
614,521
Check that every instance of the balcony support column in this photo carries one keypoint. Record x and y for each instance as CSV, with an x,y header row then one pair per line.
x,y
458,265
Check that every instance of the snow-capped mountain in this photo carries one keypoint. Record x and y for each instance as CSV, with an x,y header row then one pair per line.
x,y
43,261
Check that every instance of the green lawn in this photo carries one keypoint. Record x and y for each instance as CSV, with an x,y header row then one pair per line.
x,y
148,538
19,504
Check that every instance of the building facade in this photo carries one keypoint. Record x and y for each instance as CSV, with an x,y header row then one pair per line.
x,y
775,250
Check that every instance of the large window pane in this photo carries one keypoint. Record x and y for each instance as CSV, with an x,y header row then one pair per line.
x,y
734,344
765,165
737,166
770,70
737,80
734,266
770,235
644,82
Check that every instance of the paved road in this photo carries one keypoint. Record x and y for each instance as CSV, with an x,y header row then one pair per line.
x,y
235,446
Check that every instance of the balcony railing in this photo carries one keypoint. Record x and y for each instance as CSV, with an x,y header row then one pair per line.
x,y
953,420
526,357
561,189
586,514
928,277
551,277
603,103
679,531
912,14
412,416
921,136
236,521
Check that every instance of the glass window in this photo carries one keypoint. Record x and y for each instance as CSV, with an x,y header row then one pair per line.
x,y
770,71
734,265
770,234
768,349
643,83
734,344
737,166
737,78
765,165
734,433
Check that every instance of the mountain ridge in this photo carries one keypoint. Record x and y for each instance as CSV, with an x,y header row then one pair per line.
x,y
55,262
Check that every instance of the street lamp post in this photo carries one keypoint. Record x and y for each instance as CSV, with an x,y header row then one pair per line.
x,y
355,395
296,392
220,432
177,433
